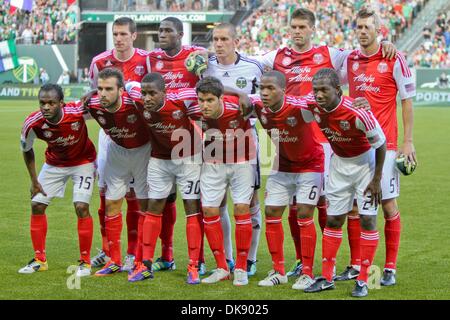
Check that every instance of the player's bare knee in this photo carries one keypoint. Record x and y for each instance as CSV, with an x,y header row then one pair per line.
x,y
335,222
113,207
191,206
210,211
390,207
305,210
272,211
241,208
143,204
172,197
156,206
368,223
82,209
38,208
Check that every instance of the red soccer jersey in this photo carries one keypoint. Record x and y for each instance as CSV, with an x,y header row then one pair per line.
x,y
229,138
126,127
378,80
68,143
173,69
172,121
300,67
351,132
133,69
298,150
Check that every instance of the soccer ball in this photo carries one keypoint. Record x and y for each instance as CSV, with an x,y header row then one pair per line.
x,y
196,63
404,166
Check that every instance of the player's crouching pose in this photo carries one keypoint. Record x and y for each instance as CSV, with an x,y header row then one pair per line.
x,y
175,158
228,155
69,155
355,172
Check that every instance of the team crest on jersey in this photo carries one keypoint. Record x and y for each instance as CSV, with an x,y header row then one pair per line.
x,y
108,63
286,61
75,126
233,124
102,120
159,65
48,134
139,70
291,121
318,58
45,126
317,117
355,66
345,125
263,119
132,118
177,115
241,82
382,67
147,114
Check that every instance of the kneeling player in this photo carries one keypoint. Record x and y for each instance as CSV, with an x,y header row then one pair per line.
x,y
355,172
167,116
69,155
228,156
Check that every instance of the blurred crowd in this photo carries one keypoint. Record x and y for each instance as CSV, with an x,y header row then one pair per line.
x,y
181,5
433,53
267,28
50,22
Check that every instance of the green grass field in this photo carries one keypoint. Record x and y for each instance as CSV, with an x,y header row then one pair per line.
x,y
423,264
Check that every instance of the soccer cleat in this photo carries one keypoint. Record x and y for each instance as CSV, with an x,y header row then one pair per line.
x,y
273,278
35,265
201,268
296,269
192,275
163,265
83,270
320,284
240,277
100,259
142,271
360,290
251,268
231,265
348,274
109,269
303,282
388,278
128,265
218,274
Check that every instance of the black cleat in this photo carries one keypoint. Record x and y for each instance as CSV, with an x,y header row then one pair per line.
x,y
360,290
348,274
321,284
388,278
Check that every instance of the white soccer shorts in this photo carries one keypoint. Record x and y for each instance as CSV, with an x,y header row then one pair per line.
x,y
215,178
348,179
123,165
326,165
54,180
282,186
390,179
163,174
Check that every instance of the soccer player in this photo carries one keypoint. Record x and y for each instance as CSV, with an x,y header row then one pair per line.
x,y
134,64
168,117
228,155
359,146
126,158
378,79
168,60
242,74
70,154
299,64
298,170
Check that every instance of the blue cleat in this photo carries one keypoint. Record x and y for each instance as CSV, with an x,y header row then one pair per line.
x,y
251,268
142,271
109,269
162,265
388,278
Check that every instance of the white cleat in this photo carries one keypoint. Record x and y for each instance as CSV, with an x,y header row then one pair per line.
x,y
240,277
128,264
100,259
303,282
219,274
34,266
274,278
83,270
